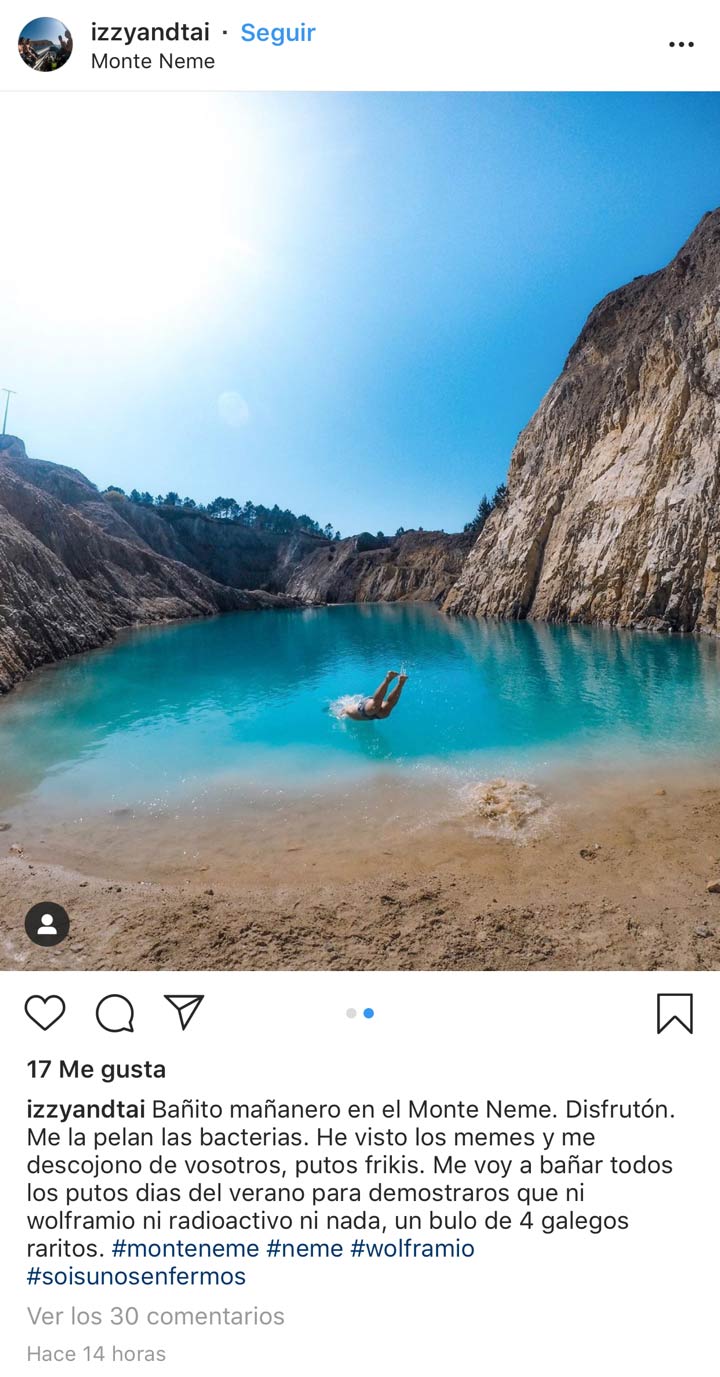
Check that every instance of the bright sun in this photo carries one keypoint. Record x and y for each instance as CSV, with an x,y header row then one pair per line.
x,y
136,217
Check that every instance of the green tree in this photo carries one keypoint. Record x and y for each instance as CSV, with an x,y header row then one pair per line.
x,y
484,509
223,507
487,505
279,520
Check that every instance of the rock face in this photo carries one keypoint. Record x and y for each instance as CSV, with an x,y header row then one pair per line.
x,y
72,573
614,487
225,550
77,565
419,566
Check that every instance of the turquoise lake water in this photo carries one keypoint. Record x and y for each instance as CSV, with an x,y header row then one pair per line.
x,y
242,702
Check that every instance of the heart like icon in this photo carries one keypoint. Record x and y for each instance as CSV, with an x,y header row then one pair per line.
x,y
45,1009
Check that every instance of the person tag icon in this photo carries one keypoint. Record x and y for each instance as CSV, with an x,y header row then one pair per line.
x,y
46,924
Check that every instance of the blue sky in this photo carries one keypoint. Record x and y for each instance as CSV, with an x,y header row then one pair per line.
x,y
43,28
348,304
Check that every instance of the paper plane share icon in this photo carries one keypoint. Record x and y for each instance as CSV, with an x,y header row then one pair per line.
x,y
186,1006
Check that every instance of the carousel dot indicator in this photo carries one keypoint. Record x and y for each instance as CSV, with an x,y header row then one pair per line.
x,y
368,1013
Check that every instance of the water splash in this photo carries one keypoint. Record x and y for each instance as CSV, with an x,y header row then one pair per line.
x,y
340,707
500,807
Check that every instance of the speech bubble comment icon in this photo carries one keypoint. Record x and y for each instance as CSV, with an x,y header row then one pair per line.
x,y
115,1014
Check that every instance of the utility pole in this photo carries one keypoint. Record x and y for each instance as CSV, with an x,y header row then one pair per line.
x,y
9,392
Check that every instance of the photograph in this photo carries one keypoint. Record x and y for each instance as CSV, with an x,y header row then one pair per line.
x,y
45,45
360,533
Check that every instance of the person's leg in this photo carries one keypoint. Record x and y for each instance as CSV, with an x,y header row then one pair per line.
x,y
393,698
379,694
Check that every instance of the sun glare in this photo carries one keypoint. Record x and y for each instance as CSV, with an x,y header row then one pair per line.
x,y
160,218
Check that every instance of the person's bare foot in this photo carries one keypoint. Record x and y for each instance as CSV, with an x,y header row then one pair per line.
x,y
391,674
402,679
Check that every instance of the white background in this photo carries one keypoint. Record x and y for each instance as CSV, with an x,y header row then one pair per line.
x,y
379,46
641,1301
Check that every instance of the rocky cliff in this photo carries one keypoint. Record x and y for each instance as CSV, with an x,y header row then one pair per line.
x,y
613,513
419,566
77,565
225,550
72,573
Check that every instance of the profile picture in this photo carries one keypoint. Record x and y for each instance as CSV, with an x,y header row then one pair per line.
x,y
45,44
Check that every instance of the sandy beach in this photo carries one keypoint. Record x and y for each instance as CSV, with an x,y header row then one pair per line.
x,y
609,871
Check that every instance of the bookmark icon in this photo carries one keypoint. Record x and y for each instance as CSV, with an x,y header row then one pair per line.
x,y
675,1008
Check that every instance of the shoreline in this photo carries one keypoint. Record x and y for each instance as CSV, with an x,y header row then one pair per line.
x,y
594,872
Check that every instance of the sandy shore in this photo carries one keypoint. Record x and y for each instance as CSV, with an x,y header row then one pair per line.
x,y
583,874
